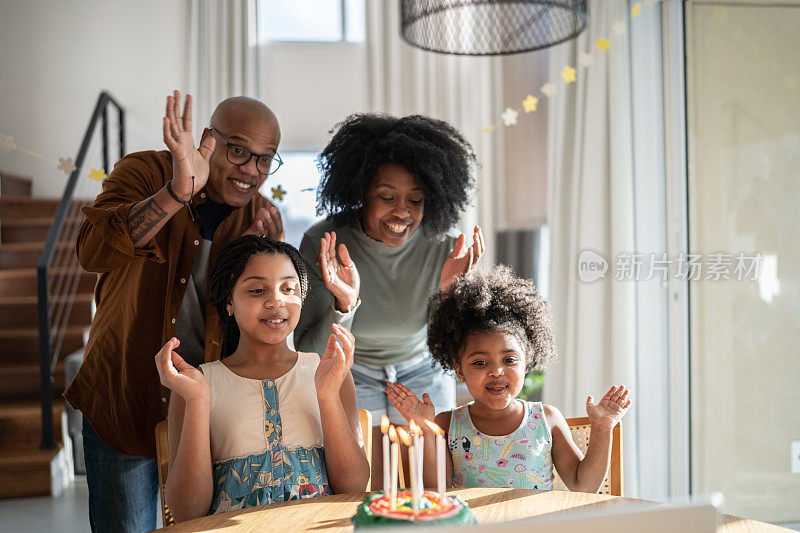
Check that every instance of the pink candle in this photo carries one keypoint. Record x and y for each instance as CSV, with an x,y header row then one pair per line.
x,y
395,457
419,445
386,465
412,460
441,484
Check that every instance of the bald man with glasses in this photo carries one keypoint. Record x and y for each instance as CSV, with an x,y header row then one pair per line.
x,y
151,236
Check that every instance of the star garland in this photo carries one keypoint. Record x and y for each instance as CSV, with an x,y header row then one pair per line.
x,y
569,74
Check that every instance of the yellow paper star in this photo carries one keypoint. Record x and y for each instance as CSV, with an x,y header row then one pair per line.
x,y
97,174
603,44
637,8
278,193
490,129
530,103
568,74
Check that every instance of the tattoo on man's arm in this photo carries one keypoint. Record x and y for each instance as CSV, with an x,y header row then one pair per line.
x,y
143,218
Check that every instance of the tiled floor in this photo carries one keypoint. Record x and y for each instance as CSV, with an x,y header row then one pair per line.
x,y
67,513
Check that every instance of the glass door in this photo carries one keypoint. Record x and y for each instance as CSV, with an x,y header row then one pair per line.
x,y
743,122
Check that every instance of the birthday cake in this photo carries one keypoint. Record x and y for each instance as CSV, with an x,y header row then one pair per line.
x,y
376,511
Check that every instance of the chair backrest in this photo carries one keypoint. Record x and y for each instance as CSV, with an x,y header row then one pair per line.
x,y
581,428
365,417
162,458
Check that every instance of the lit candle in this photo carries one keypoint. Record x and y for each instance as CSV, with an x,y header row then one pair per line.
x,y
419,446
395,457
441,485
412,460
386,467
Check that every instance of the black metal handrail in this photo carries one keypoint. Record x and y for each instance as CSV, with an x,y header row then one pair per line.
x,y
54,331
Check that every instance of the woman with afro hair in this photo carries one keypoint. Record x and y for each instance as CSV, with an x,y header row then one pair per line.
x,y
393,190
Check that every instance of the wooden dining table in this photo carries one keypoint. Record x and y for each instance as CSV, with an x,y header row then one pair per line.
x,y
489,505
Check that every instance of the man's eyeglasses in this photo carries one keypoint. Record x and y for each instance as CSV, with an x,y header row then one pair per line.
x,y
239,155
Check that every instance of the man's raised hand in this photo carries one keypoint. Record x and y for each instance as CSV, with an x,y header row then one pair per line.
x,y
267,222
187,161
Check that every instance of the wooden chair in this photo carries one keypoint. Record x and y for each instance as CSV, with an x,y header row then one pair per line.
x,y
580,429
162,458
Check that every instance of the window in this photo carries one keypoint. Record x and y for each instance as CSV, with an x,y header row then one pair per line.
x,y
311,20
299,177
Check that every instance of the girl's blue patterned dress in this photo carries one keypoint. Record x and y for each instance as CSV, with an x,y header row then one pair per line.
x,y
283,459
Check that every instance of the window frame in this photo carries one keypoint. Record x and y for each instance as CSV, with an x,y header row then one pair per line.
x,y
342,33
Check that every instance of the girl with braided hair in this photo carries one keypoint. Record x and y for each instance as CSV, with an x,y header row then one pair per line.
x,y
491,329
264,423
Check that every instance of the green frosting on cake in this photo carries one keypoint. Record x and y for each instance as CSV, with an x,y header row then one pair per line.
x,y
365,518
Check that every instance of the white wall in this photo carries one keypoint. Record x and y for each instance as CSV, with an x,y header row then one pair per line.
x,y
55,58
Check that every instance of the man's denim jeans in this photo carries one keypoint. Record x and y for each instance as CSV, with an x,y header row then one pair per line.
x,y
123,490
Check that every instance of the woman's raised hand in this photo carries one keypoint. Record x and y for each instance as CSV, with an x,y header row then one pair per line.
x,y
409,405
610,409
187,161
335,363
339,274
178,375
462,259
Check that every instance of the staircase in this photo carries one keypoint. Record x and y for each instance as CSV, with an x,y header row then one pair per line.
x,y
25,470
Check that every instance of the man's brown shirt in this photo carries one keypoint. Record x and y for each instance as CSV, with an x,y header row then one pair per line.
x,y
138,294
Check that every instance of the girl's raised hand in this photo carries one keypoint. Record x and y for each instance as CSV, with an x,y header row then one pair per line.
x,y
610,409
335,363
340,277
461,258
409,405
178,375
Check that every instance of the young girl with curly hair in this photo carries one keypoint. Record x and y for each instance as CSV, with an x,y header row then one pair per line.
x,y
394,189
264,423
491,329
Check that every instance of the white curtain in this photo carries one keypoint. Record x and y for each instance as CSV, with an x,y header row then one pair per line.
x,y
463,91
591,206
224,58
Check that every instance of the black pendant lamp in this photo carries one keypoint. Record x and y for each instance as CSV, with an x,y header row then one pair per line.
x,y
490,27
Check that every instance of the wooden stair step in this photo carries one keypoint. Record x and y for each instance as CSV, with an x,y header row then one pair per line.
x,y
14,207
22,281
20,382
13,185
21,345
23,311
21,424
27,472
26,254
34,229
